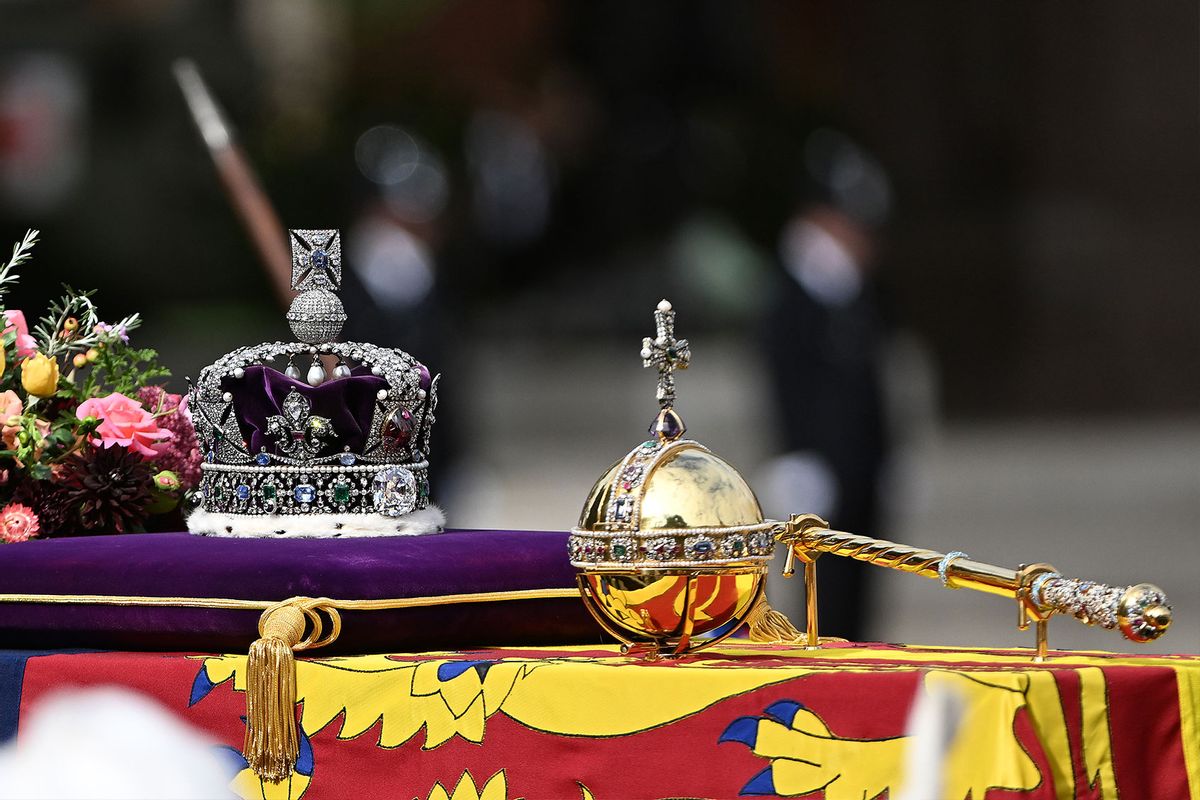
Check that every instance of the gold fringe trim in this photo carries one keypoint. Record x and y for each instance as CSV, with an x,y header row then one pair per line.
x,y
770,626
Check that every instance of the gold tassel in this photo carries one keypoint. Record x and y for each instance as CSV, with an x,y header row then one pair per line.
x,y
768,625
272,742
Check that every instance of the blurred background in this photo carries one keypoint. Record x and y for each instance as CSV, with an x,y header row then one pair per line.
x,y
937,263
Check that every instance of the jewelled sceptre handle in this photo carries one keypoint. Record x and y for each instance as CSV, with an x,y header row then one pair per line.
x,y
1140,612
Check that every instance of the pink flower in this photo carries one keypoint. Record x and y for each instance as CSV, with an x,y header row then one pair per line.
x,y
117,331
25,344
123,422
18,523
10,406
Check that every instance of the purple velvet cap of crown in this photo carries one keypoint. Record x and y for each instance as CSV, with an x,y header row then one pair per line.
x,y
349,403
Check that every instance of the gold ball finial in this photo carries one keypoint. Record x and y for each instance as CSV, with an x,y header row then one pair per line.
x,y
1142,613
1158,616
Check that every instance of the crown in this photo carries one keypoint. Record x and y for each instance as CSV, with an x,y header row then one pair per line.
x,y
314,454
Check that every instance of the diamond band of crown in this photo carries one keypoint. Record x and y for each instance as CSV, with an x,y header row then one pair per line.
x,y
279,435
321,490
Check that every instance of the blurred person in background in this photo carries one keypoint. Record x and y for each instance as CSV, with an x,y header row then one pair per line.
x,y
824,338
392,290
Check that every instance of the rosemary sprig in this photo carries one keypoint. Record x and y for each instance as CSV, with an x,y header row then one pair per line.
x,y
20,254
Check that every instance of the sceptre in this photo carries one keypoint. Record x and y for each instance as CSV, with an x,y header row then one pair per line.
x,y
1140,612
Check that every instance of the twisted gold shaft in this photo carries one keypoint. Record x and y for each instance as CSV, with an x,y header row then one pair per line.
x,y
875,551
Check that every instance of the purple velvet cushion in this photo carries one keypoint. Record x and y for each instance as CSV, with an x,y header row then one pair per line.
x,y
178,564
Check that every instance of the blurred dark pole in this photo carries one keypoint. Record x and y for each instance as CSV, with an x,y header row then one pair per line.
x,y
241,184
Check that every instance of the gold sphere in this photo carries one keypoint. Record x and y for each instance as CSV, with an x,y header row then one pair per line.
x,y
672,548
1158,617
1142,613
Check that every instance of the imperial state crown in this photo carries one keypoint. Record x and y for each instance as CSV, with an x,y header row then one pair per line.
x,y
340,449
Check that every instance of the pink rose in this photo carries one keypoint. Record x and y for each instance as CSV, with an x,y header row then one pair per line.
x,y
18,523
123,422
25,344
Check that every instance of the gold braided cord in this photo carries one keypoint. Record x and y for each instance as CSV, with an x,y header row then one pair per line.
x,y
262,605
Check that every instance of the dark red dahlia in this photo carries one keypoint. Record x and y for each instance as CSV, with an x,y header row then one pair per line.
x,y
48,499
111,489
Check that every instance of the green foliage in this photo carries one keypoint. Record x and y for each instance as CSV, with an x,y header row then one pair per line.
x,y
121,368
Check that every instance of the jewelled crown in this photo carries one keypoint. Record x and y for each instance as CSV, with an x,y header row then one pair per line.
x,y
336,443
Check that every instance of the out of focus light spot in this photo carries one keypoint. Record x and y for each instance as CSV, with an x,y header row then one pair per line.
x,y
512,177
396,266
42,138
797,480
410,174
711,257
387,154
855,181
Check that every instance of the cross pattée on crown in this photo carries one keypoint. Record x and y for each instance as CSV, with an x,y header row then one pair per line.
x,y
316,259
665,353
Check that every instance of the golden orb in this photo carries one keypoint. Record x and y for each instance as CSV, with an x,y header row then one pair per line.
x,y
672,548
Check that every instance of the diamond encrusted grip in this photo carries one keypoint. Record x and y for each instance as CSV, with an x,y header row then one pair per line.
x,y
1141,612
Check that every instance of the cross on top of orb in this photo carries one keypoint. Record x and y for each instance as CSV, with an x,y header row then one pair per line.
x,y
665,353
316,260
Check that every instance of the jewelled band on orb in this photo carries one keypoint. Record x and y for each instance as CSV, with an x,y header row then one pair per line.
x,y
671,548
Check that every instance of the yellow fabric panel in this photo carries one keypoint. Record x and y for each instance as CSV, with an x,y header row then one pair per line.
x,y
1189,708
1097,733
998,696
1050,722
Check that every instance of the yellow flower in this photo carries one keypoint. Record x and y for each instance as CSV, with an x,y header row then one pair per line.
x,y
39,375
3,359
